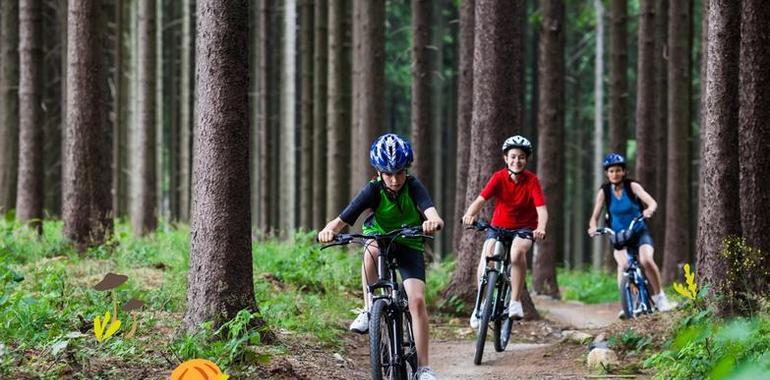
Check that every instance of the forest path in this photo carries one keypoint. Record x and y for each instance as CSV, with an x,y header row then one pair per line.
x,y
534,351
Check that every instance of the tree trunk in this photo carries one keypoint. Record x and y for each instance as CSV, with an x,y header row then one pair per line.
x,y
185,111
618,78
220,278
597,249
288,179
29,201
719,207
677,244
534,95
496,106
464,115
9,103
53,98
421,95
369,81
119,127
143,200
265,90
646,148
754,136
87,201
339,130
661,132
320,58
306,136
551,143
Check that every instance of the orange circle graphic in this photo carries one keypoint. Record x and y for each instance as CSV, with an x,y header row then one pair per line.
x,y
198,369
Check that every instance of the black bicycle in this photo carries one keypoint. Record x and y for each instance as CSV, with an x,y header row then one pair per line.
x,y
494,293
635,296
392,352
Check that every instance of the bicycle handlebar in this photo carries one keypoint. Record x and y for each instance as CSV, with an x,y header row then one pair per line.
x,y
482,225
609,231
406,232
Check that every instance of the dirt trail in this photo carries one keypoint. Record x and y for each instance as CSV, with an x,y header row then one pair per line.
x,y
533,351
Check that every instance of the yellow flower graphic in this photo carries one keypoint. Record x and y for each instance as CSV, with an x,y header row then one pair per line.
x,y
691,291
101,324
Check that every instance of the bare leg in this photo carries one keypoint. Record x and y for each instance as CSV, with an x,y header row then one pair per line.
x,y
369,271
415,291
650,268
519,249
489,245
620,258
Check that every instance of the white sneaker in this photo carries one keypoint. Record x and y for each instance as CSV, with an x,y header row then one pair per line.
x,y
361,323
515,310
621,314
662,302
425,373
474,320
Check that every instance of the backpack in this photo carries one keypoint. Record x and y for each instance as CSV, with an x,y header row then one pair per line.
x,y
608,196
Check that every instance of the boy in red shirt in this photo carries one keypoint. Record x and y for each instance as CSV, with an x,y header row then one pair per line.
x,y
519,203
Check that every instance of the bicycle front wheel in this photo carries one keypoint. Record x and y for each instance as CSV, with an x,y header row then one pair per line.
x,y
382,343
502,324
635,298
486,315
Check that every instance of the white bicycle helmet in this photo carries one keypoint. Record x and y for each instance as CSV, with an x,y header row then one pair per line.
x,y
519,142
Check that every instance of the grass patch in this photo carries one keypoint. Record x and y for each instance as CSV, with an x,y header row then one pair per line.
x,y
48,304
588,286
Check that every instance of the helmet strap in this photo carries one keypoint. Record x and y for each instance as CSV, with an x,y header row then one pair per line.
x,y
515,175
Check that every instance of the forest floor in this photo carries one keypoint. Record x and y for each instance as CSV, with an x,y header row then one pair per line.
x,y
536,351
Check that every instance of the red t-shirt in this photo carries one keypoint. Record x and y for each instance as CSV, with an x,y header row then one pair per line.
x,y
514,202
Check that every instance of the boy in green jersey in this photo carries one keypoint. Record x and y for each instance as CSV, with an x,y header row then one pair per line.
x,y
393,200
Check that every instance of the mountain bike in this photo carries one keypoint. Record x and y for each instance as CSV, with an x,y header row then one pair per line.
x,y
392,352
635,297
494,292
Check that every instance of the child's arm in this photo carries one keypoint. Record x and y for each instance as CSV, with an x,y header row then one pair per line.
x,y
592,223
433,221
473,210
332,228
542,221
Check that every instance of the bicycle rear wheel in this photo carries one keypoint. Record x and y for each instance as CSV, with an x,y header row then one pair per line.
x,y
486,314
503,324
382,343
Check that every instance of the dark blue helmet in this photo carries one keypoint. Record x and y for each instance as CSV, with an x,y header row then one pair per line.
x,y
614,159
390,153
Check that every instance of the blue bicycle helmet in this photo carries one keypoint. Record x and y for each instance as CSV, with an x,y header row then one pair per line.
x,y
614,159
390,153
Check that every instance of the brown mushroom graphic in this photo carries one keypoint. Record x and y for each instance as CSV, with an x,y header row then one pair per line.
x,y
132,306
110,282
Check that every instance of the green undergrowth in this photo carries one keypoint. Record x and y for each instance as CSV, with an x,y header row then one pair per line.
x,y
48,303
704,346
587,286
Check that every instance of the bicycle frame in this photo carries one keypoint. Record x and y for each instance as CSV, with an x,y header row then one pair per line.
x,y
633,275
495,288
391,303
502,265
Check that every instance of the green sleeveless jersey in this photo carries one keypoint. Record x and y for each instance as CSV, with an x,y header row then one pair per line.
x,y
395,213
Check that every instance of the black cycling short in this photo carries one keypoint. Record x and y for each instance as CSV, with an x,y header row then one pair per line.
x,y
411,262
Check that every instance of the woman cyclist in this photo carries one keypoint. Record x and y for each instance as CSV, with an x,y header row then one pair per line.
x,y
625,199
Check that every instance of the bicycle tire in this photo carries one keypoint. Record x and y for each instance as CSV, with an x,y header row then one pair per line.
x,y
410,349
381,343
502,330
486,314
